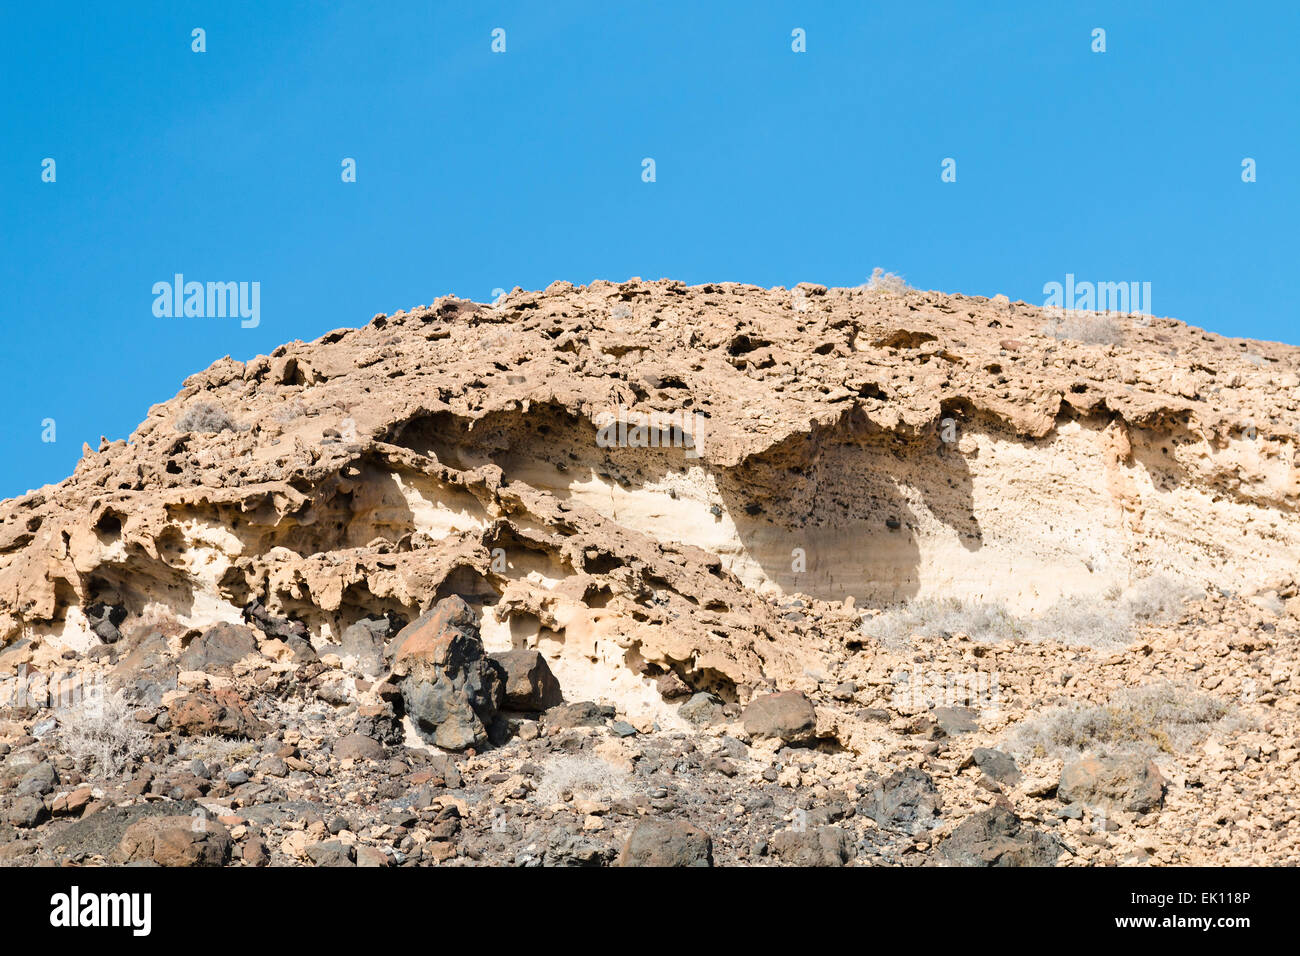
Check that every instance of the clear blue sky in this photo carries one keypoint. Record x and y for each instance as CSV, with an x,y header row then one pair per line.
x,y
478,170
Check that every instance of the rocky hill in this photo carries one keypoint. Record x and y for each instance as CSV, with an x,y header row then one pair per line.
x,y
644,572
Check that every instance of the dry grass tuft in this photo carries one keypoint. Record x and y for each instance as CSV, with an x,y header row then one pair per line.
x,y
1156,718
1090,328
102,731
1086,621
582,777
205,417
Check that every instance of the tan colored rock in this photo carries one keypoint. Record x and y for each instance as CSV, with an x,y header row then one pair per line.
x,y
219,712
829,453
176,841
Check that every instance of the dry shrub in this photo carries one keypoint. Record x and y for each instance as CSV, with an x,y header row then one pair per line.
x,y
1073,620
582,777
102,731
1155,718
210,748
882,281
1090,328
941,618
205,417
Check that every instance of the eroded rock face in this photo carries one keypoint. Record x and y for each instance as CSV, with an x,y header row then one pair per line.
x,y
379,469
455,467
451,688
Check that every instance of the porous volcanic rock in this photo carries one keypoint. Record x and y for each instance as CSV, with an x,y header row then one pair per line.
x,y
997,837
788,716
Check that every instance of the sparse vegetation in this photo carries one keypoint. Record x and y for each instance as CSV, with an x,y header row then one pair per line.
x,y
223,750
103,732
1086,620
582,777
286,412
1155,718
940,618
205,417
882,281
1158,598
1090,328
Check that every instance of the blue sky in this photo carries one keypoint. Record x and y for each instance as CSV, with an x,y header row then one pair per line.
x,y
478,170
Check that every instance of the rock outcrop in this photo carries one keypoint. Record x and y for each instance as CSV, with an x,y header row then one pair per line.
x,y
651,574
628,469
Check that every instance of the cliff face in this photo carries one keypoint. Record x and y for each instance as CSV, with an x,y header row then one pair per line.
x,y
644,573
639,477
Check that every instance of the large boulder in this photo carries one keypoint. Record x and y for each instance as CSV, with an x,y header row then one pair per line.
x,y
530,685
256,614
332,853
148,671
358,747
451,688
702,709
997,837
16,766
293,633
364,642
905,799
667,843
218,712
40,780
105,619
1124,782
176,841
996,765
822,846
952,721
581,713
217,648
788,716
574,849
28,811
